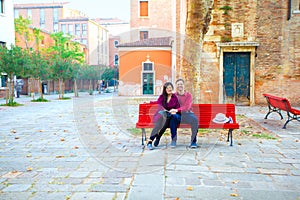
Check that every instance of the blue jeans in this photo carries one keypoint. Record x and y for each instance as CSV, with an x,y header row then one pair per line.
x,y
190,118
163,123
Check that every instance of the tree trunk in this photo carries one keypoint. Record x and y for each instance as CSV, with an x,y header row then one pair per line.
x,y
198,18
75,88
90,88
41,88
60,88
11,90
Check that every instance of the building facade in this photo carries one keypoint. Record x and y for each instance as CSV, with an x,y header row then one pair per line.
x,y
145,66
249,49
56,17
118,31
7,35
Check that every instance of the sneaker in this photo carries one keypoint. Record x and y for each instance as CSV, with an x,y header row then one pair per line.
x,y
173,144
194,145
156,142
149,146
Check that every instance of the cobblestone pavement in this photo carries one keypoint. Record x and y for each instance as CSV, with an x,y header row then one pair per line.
x,y
84,148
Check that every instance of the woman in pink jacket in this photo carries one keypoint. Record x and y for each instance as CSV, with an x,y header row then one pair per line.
x,y
167,115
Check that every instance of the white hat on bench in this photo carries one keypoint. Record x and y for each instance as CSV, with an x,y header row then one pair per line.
x,y
221,118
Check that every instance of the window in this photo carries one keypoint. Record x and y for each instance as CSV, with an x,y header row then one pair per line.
x,y
143,35
16,13
70,29
29,14
147,66
116,43
55,15
1,6
116,60
84,41
2,44
63,28
77,29
42,18
55,27
144,8
84,29
3,80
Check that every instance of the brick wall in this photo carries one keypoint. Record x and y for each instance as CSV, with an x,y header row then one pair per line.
x,y
277,59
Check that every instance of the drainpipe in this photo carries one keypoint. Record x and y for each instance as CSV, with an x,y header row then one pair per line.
x,y
289,9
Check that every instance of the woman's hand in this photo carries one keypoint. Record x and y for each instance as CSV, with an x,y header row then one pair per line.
x,y
173,111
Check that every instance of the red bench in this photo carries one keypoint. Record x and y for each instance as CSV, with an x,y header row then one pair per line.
x,y
277,104
204,112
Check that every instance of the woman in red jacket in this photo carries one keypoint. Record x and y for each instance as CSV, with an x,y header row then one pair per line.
x,y
167,115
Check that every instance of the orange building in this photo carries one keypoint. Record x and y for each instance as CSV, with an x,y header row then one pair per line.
x,y
145,66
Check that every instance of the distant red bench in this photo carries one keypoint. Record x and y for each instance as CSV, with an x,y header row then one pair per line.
x,y
204,112
277,104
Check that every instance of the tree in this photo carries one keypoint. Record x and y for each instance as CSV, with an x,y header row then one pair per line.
x,y
110,73
13,62
92,73
197,22
32,40
39,69
64,53
22,28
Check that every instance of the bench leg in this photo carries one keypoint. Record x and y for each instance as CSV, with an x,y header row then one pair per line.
x,y
230,135
290,118
272,109
143,136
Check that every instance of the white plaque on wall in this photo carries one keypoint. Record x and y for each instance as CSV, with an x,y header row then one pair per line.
x,y
237,30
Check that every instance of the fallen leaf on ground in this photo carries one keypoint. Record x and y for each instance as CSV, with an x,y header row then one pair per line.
x,y
60,156
189,188
13,131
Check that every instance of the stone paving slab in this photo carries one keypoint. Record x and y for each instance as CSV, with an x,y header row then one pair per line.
x,y
82,149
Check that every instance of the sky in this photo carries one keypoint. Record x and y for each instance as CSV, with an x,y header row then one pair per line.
x,y
94,8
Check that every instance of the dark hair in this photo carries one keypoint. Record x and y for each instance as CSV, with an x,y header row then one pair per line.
x,y
180,79
165,94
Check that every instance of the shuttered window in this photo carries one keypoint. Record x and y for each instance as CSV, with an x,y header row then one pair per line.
x,y
143,8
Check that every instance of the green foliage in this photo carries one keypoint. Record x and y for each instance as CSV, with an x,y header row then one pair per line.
x,y
226,39
65,98
92,72
22,28
264,136
40,99
244,132
12,103
110,73
226,9
134,131
65,57
14,61
203,131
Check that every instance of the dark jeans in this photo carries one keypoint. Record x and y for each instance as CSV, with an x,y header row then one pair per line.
x,y
163,123
190,118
